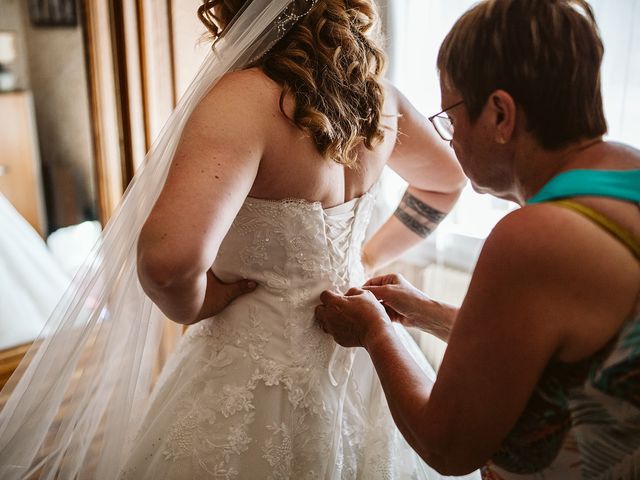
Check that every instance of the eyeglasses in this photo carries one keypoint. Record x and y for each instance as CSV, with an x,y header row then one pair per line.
x,y
443,124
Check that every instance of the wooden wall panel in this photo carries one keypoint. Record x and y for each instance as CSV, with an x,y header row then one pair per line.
x,y
103,94
19,158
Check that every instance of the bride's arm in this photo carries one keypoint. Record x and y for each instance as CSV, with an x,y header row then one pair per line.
x,y
212,172
435,179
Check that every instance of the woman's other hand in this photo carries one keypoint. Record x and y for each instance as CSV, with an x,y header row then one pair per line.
x,y
410,306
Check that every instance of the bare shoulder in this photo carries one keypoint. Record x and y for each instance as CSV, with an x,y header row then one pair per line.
x,y
392,97
530,232
554,258
552,248
412,123
628,155
250,88
405,109
555,232
253,79
238,109
546,236
528,249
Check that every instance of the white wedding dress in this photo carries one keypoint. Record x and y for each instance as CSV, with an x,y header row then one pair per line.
x,y
253,393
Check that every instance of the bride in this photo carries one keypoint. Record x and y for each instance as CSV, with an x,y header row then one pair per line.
x,y
272,182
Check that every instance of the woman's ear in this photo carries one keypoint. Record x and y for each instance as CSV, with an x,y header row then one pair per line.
x,y
503,110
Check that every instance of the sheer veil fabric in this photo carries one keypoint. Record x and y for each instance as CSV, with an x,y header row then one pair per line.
x,y
76,400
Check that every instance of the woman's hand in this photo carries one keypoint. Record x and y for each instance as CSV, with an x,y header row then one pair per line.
x,y
403,302
353,320
411,307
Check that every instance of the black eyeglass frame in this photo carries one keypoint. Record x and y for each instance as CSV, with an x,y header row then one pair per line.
x,y
445,132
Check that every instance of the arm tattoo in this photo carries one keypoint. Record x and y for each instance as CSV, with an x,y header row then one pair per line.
x,y
418,217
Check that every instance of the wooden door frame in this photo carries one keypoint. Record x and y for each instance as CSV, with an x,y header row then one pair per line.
x,y
131,75
104,100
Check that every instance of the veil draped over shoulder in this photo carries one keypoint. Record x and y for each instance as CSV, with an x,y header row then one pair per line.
x,y
76,401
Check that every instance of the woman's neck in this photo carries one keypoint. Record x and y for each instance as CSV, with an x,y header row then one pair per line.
x,y
536,166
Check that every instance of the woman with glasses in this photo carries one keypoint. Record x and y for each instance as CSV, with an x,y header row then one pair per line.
x,y
541,377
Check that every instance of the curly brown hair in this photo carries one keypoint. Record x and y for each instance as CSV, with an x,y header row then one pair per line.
x,y
332,66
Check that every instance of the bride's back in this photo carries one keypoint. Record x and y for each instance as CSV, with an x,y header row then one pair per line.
x,y
291,165
319,99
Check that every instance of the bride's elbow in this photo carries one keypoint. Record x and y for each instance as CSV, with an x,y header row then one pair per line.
x,y
154,276
161,270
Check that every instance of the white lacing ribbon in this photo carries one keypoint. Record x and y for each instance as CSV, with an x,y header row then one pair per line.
x,y
339,235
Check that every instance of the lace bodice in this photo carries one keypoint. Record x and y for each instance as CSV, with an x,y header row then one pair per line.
x,y
284,244
294,249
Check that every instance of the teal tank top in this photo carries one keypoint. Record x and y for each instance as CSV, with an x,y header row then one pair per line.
x,y
620,184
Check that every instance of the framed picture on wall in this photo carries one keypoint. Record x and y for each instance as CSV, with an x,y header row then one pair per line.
x,y
53,13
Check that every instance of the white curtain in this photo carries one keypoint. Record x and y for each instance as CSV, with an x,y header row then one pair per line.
x,y
619,23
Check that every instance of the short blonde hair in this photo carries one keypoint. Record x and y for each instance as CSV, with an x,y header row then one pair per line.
x,y
545,53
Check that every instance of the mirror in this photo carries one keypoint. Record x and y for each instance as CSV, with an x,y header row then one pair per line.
x,y
48,208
